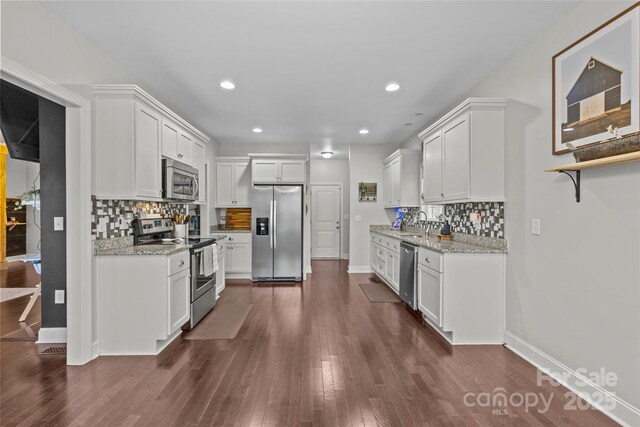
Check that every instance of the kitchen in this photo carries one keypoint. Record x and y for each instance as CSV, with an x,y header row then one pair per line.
x,y
516,274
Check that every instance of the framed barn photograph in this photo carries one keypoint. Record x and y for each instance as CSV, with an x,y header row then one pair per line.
x,y
596,84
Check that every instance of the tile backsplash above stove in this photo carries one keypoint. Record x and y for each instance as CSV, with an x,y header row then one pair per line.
x,y
112,218
491,222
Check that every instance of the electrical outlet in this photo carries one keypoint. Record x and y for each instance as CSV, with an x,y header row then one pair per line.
x,y
474,217
535,227
59,299
358,218
58,223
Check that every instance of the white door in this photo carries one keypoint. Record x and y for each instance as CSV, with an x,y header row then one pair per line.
x,y
242,184
456,159
179,300
224,184
432,168
240,258
430,293
148,182
325,221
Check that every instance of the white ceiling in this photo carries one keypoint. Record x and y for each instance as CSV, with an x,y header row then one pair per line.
x,y
310,72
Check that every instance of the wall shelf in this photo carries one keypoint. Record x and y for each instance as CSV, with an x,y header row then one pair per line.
x,y
606,161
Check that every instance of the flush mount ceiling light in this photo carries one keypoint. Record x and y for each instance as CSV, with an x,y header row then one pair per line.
x,y
363,131
418,114
392,87
327,154
256,130
567,129
227,84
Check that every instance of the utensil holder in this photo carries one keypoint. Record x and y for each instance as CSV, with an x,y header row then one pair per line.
x,y
180,230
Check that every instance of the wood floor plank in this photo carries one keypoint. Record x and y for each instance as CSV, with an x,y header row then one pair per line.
x,y
316,354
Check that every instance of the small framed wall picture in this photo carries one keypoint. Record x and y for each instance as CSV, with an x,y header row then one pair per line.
x,y
367,191
596,84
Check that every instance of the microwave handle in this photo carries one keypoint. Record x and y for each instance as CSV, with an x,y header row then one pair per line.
x,y
197,187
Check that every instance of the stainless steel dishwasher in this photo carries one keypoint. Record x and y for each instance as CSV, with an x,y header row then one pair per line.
x,y
408,259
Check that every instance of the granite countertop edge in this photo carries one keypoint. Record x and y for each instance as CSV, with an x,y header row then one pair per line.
x,y
142,250
221,231
448,246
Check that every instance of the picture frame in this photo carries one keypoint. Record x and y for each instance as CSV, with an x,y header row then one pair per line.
x,y
367,191
596,84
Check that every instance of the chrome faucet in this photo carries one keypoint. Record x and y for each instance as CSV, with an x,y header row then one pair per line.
x,y
426,222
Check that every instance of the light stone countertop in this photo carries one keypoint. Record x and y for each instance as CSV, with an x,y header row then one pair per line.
x,y
125,246
445,246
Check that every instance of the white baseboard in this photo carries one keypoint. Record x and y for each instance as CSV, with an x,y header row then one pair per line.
x,y
307,269
237,276
52,336
359,269
623,412
95,349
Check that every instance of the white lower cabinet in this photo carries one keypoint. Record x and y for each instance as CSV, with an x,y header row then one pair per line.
x,y
220,279
237,258
385,260
462,295
143,301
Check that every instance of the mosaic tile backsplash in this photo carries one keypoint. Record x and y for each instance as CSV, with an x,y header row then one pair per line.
x,y
112,218
491,218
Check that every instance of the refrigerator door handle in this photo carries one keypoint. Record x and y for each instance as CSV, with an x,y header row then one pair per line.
x,y
275,224
271,224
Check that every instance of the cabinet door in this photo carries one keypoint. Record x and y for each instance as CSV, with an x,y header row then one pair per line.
x,y
228,256
224,184
374,256
198,163
179,300
456,159
148,181
395,278
396,182
169,139
292,172
185,148
430,293
388,186
432,168
240,258
265,171
242,180
220,282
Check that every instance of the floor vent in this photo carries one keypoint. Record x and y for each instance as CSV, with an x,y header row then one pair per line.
x,y
53,350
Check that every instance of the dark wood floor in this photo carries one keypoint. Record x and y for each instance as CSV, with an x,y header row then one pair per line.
x,y
319,354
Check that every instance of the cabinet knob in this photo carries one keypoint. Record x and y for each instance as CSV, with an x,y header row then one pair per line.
x,y
181,263
230,238
428,259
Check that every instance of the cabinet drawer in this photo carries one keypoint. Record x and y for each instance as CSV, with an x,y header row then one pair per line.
x,y
380,253
430,258
238,238
178,262
393,245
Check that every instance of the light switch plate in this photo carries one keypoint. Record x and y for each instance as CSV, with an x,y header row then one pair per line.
x,y
358,218
535,227
58,223
59,296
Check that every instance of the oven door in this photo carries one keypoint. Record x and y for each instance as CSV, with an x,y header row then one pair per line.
x,y
200,283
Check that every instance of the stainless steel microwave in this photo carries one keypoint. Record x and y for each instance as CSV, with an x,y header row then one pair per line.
x,y
179,181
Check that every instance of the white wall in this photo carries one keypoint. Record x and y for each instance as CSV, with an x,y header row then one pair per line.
x,y
329,170
365,163
574,291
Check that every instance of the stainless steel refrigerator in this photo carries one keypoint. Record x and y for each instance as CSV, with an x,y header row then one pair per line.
x,y
276,247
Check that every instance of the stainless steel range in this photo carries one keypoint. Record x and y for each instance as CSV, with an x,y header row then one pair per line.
x,y
159,231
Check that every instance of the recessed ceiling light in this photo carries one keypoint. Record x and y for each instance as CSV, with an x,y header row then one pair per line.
x,y
327,154
227,84
257,130
418,114
567,129
392,87
408,124
363,131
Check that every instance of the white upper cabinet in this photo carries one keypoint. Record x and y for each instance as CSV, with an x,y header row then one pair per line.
x,y
278,171
132,131
464,153
185,148
233,183
402,179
